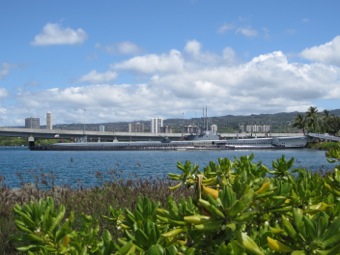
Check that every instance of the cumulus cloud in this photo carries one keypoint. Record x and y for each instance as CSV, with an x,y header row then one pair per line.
x,y
328,53
124,48
54,34
177,82
197,58
229,55
153,63
102,102
193,47
95,77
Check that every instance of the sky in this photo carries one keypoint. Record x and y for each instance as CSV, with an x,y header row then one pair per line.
x,y
127,60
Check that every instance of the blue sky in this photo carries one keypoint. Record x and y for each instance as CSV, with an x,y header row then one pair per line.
x,y
135,60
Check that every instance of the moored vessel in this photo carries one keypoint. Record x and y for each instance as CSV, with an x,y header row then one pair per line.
x,y
192,144
200,139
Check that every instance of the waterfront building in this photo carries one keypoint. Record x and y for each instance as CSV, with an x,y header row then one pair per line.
x,y
241,128
49,124
257,128
101,128
156,124
32,123
136,127
190,129
166,129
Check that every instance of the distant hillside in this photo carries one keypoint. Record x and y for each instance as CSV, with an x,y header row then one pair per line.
x,y
279,122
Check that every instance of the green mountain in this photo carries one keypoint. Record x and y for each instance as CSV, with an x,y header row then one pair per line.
x,y
279,122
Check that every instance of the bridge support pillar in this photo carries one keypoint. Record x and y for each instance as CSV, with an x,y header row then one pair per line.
x,y
31,142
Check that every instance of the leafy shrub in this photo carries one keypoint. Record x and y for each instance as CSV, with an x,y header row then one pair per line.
x,y
238,207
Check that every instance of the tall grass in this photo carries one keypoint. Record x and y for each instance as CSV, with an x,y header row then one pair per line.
x,y
91,201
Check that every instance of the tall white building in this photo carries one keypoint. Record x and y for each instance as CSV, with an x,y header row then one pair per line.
x,y
156,125
49,120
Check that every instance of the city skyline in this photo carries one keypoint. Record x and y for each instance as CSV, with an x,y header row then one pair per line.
x,y
130,60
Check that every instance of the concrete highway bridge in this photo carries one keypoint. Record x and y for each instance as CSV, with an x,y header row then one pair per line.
x,y
324,137
78,134
34,134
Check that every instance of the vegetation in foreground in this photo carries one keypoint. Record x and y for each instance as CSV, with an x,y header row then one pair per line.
x,y
94,201
229,207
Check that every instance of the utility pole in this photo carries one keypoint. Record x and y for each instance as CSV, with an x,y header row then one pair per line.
x,y
84,123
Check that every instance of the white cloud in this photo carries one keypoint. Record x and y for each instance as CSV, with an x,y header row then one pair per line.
x,y
153,63
3,93
95,77
193,47
328,53
246,31
225,28
177,82
196,58
54,34
124,48
100,101
229,56
127,48
4,70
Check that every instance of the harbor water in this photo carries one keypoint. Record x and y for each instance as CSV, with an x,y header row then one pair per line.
x,y
76,169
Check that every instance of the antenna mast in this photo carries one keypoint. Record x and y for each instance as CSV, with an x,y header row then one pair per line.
x,y
206,118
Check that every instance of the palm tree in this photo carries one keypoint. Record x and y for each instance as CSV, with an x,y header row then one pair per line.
x,y
326,114
331,125
312,119
325,120
300,122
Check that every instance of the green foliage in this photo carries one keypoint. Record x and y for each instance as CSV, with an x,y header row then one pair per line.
x,y
324,145
239,207
45,230
13,141
315,122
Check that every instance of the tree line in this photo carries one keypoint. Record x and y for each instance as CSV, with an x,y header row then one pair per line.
x,y
313,121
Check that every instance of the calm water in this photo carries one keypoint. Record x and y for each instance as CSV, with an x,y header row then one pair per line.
x,y
92,168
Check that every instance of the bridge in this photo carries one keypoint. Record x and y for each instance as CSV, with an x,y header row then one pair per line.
x,y
33,134
324,137
91,135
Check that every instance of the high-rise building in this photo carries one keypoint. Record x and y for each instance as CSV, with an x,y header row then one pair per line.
x,y
156,125
49,124
101,128
32,123
136,127
166,129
